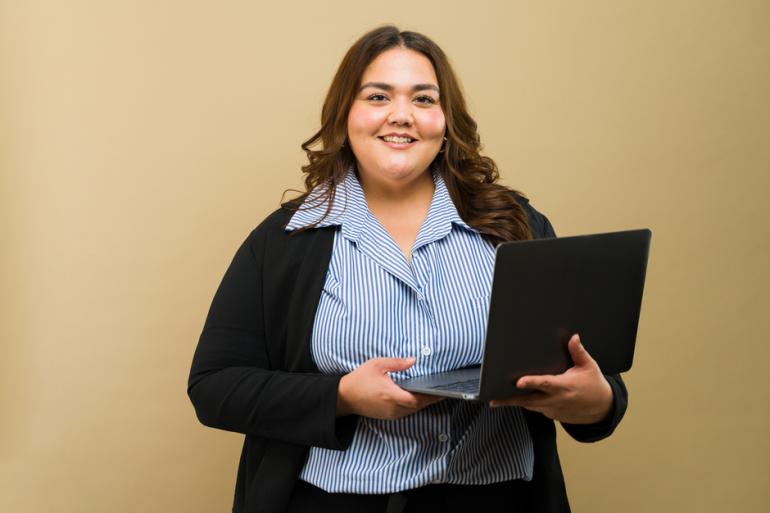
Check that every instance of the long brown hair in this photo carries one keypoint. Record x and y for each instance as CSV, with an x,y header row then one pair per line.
x,y
470,177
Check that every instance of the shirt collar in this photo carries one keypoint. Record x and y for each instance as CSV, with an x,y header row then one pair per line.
x,y
347,194
351,211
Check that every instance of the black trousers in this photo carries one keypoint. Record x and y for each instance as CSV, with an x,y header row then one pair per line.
x,y
499,497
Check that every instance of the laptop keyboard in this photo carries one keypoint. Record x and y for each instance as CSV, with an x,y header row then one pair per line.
x,y
469,386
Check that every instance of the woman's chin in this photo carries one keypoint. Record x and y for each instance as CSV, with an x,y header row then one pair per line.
x,y
401,170
401,176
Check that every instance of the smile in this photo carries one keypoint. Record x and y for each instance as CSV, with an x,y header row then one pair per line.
x,y
398,142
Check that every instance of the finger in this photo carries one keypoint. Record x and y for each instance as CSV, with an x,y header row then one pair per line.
x,y
529,405
544,383
538,403
407,402
519,400
580,356
427,397
505,402
395,364
427,400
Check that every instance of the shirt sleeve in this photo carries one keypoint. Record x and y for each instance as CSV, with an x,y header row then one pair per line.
x,y
541,228
231,383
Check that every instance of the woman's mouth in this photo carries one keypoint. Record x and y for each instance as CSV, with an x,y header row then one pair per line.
x,y
398,142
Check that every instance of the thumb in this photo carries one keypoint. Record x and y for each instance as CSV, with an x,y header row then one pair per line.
x,y
579,355
397,364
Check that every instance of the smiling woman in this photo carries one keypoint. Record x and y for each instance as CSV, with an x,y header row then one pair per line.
x,y
375,263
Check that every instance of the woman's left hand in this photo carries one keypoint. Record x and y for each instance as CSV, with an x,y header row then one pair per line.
x,y
581,395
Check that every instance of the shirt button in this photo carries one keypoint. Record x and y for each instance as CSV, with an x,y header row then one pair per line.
x,y
443,437
426,351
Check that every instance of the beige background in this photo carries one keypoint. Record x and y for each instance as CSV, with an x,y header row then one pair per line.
x,y
142,140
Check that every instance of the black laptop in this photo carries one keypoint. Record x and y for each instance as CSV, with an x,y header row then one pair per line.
x,y
543,292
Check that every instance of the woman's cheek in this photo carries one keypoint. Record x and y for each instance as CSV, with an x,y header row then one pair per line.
x,y
434,123
365,121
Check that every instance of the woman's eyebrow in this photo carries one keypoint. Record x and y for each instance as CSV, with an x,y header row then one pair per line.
x,y
388,87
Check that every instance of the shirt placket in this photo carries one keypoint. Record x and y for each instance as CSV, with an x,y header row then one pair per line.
x,y
425,341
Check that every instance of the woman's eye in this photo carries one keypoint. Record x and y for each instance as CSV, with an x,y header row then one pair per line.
x,y
425,99
376,97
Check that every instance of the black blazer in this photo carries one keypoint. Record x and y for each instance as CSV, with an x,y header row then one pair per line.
x,y
253,373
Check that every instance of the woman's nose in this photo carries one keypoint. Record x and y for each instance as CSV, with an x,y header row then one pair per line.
x,y
401,113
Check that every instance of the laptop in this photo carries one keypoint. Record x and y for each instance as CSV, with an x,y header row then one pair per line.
x,y
543,292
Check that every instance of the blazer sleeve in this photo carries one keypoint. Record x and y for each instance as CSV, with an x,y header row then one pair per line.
x,y
231,383
541,228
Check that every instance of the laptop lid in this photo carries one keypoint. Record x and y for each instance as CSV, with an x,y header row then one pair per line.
x,y
546,290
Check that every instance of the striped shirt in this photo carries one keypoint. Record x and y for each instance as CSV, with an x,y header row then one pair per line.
x,y
374,304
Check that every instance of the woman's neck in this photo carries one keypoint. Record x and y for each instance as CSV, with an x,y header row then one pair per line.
x,y
409,198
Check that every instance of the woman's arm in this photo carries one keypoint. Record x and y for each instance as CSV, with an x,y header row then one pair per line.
x,y
232,385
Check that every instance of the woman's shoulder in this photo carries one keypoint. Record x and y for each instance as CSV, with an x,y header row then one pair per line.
x,y
270,226
538,223
280,217
273,227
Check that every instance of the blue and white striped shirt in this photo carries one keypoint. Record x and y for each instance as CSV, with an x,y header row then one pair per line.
x,y
374,304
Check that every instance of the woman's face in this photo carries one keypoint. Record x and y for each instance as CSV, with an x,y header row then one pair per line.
x,y
398,96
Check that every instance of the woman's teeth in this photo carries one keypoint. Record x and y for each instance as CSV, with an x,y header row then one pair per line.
x,y
393,139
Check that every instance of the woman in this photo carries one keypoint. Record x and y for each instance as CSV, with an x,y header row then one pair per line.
x,y
383,267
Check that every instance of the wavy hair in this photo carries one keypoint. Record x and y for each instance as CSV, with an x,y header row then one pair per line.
x,y
471,178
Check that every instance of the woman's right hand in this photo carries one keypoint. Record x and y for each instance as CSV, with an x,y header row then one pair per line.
x,y
368,391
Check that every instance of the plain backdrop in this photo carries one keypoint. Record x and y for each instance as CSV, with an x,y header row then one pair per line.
x,y
141,141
